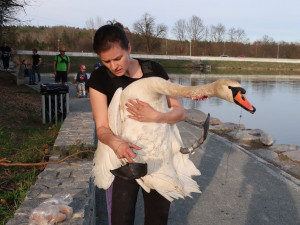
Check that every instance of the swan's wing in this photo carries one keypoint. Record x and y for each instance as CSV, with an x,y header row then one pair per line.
x,y
114,113
105,159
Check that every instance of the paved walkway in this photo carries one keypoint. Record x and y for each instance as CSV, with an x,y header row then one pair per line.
x,y
238,187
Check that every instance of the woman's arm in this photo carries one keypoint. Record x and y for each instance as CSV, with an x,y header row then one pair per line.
x,y
100,112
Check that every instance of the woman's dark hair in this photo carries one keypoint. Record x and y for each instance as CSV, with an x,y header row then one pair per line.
x,y
107,35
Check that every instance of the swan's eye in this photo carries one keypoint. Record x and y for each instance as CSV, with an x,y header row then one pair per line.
x,y
242,95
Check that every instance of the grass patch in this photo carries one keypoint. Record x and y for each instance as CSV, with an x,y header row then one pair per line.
x,y
23,138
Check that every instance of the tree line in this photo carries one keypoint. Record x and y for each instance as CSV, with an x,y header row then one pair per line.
x,y
191,37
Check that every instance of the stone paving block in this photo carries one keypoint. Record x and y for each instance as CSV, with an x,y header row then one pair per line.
x,y
49,193
54,167
33,192
82,173
75,192
83,185
64,173
47,183
66,182
18,220
47,174
27,206
82,179
45,195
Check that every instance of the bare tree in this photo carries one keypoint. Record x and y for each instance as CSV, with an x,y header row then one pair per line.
x,y
8,12
195,28
93,24
206,34
89,24
217,33
267,40
148,31
237,35
179,30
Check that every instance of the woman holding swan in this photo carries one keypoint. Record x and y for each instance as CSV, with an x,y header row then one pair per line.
x,y
120,70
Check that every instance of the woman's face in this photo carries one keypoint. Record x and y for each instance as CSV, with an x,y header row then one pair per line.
x,y
116,59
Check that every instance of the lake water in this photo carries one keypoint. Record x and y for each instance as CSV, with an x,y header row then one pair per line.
x,y
276,98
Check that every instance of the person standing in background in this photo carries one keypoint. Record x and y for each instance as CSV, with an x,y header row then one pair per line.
x,y
97,65
5,55
61,66
80,79
36,62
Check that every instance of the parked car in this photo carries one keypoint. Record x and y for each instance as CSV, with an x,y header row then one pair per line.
x,y
224,56
241,56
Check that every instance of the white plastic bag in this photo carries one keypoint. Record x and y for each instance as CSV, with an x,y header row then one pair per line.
x,y
51,211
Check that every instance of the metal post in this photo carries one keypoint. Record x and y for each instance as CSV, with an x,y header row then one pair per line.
x,y
43,109
55,108
61,107
50,110
67,102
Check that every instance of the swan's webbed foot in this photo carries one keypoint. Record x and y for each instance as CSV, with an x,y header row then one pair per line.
x,y
204,132
131,171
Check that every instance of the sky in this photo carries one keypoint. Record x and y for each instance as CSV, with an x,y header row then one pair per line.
x,y
277,19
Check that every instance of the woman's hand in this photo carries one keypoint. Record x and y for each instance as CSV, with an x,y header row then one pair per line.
x,y
142,111
124,150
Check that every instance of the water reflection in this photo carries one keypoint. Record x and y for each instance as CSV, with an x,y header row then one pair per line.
x,y
277,99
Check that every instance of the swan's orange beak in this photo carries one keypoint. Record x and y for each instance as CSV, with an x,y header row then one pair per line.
x,y
241,100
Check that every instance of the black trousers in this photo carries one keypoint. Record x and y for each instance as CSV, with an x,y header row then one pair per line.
x,y
124,197
5,61
61,76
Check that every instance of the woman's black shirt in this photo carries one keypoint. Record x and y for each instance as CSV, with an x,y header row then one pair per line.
x,y
107,83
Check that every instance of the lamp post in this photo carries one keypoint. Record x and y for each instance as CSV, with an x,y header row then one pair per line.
x,y
278,51
191,47
256,50
166,46
58,44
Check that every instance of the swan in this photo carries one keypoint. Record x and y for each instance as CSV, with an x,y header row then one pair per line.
x,y
168,170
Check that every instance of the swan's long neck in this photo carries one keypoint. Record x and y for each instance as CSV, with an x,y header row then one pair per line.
x,y
214,89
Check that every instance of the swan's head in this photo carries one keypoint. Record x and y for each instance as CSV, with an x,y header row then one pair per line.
x,y
233,92
239,98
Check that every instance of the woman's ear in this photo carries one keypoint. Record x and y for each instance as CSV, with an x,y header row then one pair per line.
x,y
129,47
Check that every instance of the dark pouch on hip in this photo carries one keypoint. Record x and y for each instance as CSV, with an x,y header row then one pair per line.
x,y
131,171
